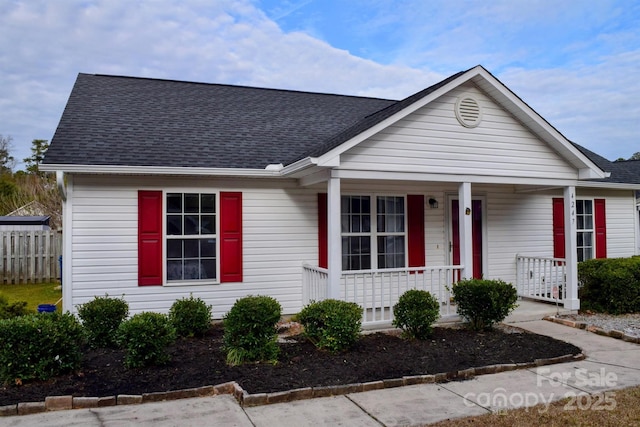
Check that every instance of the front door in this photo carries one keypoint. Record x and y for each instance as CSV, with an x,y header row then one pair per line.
x,y
476,232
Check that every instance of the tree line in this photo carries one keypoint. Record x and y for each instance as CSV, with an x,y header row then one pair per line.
x,y
31,189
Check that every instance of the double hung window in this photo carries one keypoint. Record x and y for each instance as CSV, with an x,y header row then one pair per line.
x,y
585,229
191,237
373,238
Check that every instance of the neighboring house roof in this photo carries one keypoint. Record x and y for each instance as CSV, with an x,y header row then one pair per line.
x,y
140,122
34,208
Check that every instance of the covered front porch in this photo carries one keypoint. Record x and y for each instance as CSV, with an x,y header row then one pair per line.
x,y
467,251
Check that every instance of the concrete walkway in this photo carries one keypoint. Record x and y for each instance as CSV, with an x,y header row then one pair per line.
x,y
610,364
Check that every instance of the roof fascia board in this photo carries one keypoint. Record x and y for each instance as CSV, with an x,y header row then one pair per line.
x,y
566,145
439,177
299,166
158,170
329,158
609,185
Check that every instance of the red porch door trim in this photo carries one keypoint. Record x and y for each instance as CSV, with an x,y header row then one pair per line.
x,y
476,235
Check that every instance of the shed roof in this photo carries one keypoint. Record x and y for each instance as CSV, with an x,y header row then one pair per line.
x,y
24,220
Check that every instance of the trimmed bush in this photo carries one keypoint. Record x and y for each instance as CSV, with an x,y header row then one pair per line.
x,y
484,302
332,324
190,316
101,318
145,338
250,330
610,285
15,309
415,312
39,346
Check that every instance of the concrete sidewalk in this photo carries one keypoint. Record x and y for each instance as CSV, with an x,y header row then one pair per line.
x,y
610,364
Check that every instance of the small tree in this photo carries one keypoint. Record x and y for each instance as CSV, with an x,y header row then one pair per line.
x,y
38,148
7,161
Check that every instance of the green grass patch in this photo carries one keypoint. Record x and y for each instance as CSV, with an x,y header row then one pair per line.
x,y
33,294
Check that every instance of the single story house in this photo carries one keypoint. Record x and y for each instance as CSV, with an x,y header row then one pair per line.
x,y
174,188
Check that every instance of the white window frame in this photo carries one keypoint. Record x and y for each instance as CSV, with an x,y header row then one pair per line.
x,y
166,237
591,231
373,234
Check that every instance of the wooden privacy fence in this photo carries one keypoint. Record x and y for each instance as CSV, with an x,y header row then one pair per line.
x,y
30,256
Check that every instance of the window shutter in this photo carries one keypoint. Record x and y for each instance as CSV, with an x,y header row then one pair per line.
x,y
323,251
149,238
558,228
600,219
230,237
415,225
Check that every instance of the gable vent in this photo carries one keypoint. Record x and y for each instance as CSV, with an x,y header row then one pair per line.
x,y
468,111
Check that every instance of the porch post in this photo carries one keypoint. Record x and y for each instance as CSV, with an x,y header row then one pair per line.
x,y
466,239
571,302
333,239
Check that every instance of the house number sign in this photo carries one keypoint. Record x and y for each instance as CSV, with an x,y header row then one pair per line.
x,y
573,206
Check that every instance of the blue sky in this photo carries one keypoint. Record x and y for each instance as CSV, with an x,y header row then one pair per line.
x,y
576,62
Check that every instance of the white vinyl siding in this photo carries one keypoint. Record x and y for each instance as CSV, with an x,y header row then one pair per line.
x,y
431,140
279,235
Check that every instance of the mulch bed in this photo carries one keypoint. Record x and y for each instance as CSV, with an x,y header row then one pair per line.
x,y
200,361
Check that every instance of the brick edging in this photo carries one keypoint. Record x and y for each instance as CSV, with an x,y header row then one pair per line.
x,y
594,329
57,403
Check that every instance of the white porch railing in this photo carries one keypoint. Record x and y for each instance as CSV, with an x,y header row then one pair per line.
x,y
541,278
314,283
377,291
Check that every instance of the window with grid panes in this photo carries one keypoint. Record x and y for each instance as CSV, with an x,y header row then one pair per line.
x,y
191,237
365,247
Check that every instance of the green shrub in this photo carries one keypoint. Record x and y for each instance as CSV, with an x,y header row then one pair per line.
x,y
39,346
190,316
415,312
15,309
250,330
332,324
610,285
101,318
484,302
145,338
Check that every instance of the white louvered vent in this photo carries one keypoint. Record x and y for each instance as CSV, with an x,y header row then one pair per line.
x,y
468,111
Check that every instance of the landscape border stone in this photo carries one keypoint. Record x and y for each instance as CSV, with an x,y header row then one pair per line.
x,y
593,329
246,399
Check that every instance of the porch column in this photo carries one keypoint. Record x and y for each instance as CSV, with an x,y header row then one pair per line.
x,y
334,246
571,302
466,237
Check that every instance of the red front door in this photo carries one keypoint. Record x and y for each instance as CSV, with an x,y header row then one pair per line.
x,y
476,232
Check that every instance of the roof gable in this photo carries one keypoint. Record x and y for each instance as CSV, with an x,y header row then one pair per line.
x,y
495,90
433,140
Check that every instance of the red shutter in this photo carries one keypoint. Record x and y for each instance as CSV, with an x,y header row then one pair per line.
x,y
230,237
149,238
323,249
415,225
558,228
600,219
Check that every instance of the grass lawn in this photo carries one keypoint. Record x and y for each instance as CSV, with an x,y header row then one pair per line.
x,y
587,411
33,294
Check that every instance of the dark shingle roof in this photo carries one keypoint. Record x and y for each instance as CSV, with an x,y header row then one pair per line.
x,y
622,172
129,121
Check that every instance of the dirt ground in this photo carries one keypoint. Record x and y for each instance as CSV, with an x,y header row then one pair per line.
x,y
200,361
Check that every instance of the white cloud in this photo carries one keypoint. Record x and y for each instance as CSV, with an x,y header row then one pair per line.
x,y
44,44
